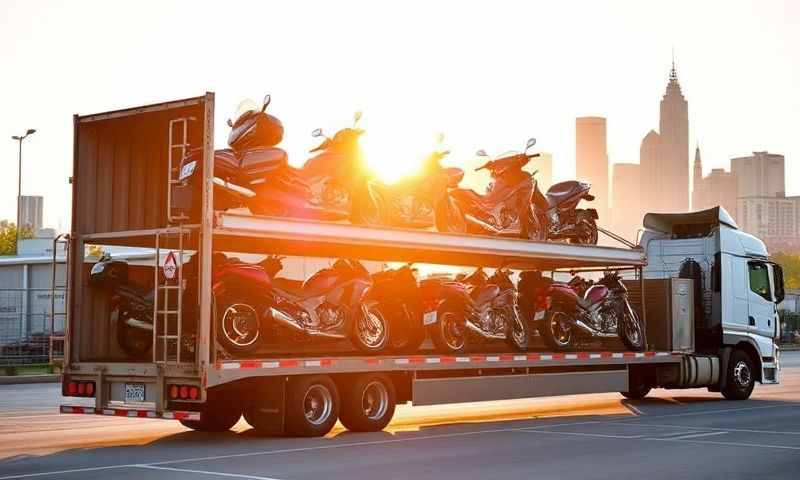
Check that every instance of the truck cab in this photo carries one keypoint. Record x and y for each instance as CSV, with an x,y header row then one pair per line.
x,y
737,287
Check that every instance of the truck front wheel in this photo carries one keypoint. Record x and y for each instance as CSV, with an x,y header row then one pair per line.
x,y
368,403
312,406
740,377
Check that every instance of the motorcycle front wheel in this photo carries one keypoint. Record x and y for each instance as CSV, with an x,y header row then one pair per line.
x,y
370,329
556,330
135,342
630,330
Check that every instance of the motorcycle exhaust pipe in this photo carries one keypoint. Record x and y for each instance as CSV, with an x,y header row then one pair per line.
x,y
289,322
592,331
476,329
140,324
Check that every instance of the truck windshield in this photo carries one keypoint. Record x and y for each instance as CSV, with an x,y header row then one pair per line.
x,y
759,279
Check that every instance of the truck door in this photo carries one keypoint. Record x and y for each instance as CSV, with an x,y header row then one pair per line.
x,y
761,302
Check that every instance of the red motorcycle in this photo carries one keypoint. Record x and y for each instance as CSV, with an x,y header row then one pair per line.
x,y
580,308
505,209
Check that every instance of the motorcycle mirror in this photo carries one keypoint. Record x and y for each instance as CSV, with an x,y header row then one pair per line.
x,y
356,117
531,142
230,123
317,133
481,153
267,99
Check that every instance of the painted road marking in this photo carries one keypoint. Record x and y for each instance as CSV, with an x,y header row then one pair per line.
x,y
206,472
697,435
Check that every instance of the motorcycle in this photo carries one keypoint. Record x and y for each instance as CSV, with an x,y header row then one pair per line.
x,y
446,304
251,158
581,308
420,201
496,315
331,304
505,209
559,218
400,298
333,185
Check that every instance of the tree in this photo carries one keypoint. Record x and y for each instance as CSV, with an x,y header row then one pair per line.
x,y
791,268
8,237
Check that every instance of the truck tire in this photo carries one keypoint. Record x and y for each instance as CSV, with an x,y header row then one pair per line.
x,y
556,330
214,418
740,377
312,406
368,403
636,392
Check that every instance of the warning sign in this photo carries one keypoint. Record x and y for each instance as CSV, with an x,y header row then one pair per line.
x,y
170,266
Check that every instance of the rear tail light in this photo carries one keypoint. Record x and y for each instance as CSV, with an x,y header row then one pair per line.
x,y
74,388
184,392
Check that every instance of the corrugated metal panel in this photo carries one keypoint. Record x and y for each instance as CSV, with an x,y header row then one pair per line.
x,y
120,178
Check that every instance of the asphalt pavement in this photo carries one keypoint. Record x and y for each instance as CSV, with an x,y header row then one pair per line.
x,y
671,435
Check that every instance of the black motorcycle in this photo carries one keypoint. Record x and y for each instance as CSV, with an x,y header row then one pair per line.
x,y
558,216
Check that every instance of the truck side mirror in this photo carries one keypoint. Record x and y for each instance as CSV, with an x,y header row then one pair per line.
x,y
777,279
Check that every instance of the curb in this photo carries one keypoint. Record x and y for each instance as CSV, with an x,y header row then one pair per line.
x,y
23,379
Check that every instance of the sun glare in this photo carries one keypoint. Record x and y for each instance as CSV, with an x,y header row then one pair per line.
x,y
392,159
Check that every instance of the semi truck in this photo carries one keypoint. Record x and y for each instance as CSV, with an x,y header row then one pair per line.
x,y
706,292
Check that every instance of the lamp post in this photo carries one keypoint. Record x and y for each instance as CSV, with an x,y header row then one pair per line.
x,y
19,138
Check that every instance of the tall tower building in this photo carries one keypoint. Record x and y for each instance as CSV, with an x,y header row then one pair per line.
x,y
665,155
697,180
591,158
626,205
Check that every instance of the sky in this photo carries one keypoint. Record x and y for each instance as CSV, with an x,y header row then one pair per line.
x,y
488,75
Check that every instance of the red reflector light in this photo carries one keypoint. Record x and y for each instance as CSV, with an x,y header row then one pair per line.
x,y
72,388
173,392
184,392
194,392
81,388
90,389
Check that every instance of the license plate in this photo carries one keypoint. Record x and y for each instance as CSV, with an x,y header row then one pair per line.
x,y
539,315
187,170
429,318
134,392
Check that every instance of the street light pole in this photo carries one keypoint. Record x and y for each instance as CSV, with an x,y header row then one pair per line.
x,y
19,138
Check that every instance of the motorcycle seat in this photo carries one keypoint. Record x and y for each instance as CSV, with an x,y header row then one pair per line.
x,y
562,191
262,161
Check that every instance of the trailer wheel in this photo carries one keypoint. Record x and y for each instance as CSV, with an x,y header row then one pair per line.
x,y
312,406
636,392
741,377
368,403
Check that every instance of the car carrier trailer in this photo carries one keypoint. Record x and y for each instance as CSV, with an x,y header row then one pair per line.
x,y
126,165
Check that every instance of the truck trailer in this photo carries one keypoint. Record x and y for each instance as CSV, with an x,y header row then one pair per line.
x,y
706,292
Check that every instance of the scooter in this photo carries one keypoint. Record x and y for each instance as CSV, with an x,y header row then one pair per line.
x,y
330,186
505,209
497,315
559,218
331,304
420,201
581,308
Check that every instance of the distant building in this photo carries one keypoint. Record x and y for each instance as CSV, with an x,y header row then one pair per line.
x,y
760,175
626,204
664,155
772,219
30,212
719,188
591,160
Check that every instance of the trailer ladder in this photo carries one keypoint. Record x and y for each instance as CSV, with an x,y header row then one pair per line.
x,y
179,126
56,344
168,297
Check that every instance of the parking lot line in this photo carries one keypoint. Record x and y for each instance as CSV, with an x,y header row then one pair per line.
x,y
206,472
735,430
696,435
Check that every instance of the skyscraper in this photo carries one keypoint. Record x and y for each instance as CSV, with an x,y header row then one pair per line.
x,y
697,180
760,175
626,206
665,155
591,160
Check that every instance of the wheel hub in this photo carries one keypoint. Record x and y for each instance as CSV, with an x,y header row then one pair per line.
x,y
741,374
